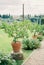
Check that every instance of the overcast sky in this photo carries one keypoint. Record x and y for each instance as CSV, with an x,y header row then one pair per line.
x,y
14,7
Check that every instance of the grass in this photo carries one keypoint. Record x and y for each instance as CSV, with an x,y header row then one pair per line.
x,y
26,53
5,41
5,45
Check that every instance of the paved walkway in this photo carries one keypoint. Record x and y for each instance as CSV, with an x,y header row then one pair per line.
x,y
37,58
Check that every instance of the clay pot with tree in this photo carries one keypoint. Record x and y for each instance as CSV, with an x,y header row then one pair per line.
x,y
16,45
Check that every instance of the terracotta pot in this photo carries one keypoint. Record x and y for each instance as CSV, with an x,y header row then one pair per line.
x,y
16,46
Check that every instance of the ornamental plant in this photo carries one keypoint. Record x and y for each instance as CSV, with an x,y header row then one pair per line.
x,y
6,60
30,44
40,37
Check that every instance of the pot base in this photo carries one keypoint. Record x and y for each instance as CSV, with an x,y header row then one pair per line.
x,y
17,56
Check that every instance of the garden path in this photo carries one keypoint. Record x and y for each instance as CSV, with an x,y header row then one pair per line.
x,y
37,57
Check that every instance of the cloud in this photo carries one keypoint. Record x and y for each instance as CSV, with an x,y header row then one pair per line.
x,y
15,6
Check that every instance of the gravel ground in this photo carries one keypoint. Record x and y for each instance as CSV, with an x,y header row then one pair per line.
x,y
37,58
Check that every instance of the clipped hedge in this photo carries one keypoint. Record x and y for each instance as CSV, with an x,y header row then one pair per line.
x,y
30,44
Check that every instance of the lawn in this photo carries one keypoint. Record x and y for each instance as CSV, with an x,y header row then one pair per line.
x,y
5,44
26,53
5,41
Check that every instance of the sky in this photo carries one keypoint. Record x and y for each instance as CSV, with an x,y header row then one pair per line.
x,y
14,7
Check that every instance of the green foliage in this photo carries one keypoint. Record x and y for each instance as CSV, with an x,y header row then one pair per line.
x,y
6,60
8,28
25,42
42,29
17,26
36,43
20,29
40,37
30,44
43,33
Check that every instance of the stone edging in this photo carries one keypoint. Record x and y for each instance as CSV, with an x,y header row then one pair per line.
x,y
29,56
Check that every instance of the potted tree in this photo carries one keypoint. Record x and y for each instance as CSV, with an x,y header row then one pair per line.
x,y
16,31
16,45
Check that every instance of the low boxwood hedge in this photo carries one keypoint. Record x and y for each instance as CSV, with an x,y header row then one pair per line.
x,y
30,43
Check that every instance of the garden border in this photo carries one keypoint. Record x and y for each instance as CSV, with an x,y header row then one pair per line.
x,y
29,56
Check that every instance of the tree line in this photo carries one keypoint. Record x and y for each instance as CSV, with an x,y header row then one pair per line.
x,y
5,16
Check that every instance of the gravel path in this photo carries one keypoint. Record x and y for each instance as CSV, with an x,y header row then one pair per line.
x,y
37,58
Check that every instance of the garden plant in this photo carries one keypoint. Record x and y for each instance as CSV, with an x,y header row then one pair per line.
x,y
23,34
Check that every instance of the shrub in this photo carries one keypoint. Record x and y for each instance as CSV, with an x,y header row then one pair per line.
x,y
30,44
40,38
43,32
25,43
5,60
36,43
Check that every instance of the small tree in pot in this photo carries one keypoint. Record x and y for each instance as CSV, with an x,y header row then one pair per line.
x,y
16,31
16,45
